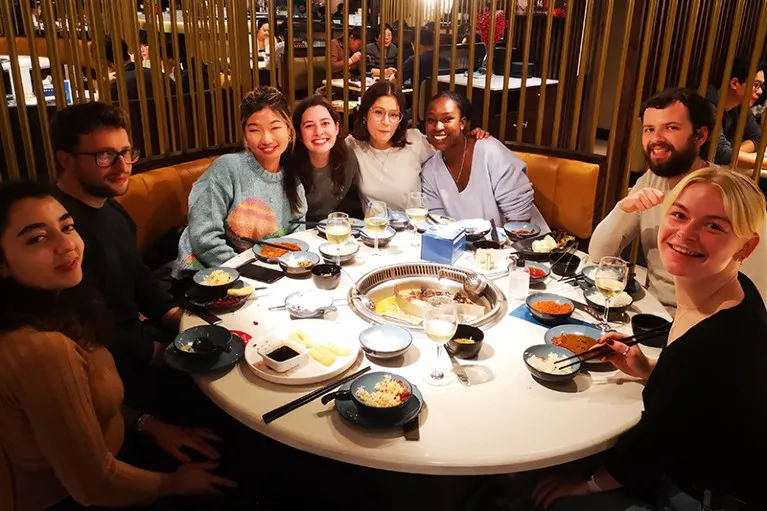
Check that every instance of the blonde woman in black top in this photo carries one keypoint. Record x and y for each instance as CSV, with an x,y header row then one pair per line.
x,y
701,437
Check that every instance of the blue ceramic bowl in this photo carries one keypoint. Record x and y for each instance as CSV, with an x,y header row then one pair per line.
x,y
369,381
547,317
542,351
385,341
216,339
521,230
588,331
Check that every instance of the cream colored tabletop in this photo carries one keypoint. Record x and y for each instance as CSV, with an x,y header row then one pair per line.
x,y
504,422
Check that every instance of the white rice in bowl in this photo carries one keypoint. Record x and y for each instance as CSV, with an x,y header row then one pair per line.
x,y
548,364
388,393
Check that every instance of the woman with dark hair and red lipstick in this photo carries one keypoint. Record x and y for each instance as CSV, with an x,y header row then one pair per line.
x,y
61,416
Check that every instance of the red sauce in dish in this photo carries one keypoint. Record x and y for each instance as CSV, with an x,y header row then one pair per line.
x,y
535,273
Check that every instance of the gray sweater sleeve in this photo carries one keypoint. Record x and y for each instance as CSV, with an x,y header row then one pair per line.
x,y
209,203
512,189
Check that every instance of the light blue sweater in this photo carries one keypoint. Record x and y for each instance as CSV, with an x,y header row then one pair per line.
x,y
498,187
236,197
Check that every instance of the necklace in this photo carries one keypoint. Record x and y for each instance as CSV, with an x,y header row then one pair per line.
x,y
463,160
380,161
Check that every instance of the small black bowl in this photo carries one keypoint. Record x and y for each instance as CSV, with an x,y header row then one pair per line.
x,y
641,323
564,265
461,350
326,275
213,339
546,317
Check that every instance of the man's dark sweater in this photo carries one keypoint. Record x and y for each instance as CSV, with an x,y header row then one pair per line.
x,y
112,263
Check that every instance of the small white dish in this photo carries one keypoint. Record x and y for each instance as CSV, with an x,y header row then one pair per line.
x,y
268,350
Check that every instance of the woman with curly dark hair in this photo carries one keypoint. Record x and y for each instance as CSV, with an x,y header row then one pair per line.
x,y
322,161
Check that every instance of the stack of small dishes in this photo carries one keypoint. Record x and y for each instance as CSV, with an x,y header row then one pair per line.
x,y
218,288
398,220
379,400
385,341
203,349
550,308
343,254
298,264
356,225
432,220
368,238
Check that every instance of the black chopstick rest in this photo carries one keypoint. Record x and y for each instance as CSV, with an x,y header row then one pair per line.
x,y
301,401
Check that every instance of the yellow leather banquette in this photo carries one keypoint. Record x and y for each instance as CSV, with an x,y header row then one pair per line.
x,y
565,193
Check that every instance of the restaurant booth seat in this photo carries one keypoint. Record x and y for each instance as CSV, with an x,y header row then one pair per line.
x,y
565,193
158,200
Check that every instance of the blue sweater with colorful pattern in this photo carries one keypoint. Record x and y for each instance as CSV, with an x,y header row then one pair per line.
x,y
235,198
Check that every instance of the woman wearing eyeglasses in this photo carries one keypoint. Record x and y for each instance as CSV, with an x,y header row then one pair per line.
x,y
390,155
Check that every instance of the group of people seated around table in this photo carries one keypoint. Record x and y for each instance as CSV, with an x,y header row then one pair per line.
x,y
299,168
83,323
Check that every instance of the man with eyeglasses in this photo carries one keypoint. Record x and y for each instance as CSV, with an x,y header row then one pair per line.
x,y
95,157
736,91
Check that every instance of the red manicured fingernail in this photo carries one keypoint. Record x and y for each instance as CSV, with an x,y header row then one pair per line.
x,y
609,342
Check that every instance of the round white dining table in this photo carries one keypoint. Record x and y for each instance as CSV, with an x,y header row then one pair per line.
x,y
505,422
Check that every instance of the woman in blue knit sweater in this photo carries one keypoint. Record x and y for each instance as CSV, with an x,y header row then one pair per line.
x,y
250,194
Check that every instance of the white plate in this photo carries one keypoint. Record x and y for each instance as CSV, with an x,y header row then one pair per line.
x,y
320,331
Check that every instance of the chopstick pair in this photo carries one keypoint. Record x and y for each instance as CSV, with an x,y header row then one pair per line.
x,y
268,244
308,398
601,350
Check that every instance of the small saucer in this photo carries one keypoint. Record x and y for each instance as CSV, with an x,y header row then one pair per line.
x,y
349,411
181,361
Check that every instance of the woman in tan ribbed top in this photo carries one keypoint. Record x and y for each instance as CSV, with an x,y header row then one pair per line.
x,y
61,424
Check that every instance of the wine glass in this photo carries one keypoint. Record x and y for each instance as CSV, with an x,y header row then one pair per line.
x,y
610,281
416,212
440,324
376,221
337,231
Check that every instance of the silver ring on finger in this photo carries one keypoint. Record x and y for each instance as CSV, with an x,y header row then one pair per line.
x,y
626,351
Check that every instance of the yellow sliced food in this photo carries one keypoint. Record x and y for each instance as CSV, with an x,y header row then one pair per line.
x,y
341,351
239,291
323,355
301,338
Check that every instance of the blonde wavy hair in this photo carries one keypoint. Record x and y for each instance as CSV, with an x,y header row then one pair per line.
x,y
744,203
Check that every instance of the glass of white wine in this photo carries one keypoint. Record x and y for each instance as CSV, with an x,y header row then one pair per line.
x,y
610,281
440,324
416,212
376,221
337,231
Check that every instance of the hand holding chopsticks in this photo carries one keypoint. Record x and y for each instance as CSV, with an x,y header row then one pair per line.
x,y
604,350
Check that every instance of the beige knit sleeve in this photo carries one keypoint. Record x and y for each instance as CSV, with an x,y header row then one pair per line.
x,y
52,389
